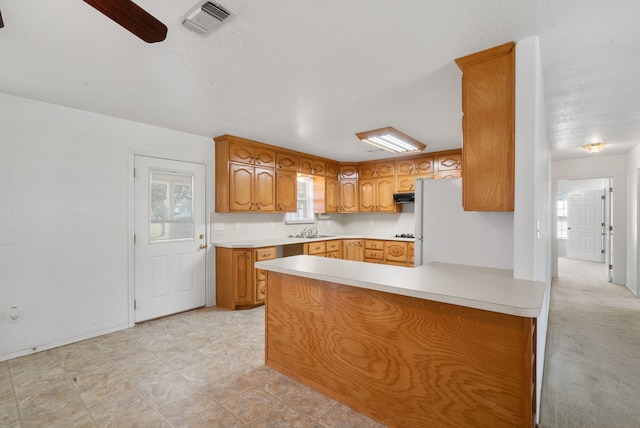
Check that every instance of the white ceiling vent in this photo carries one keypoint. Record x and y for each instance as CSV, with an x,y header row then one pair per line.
x,y
206,17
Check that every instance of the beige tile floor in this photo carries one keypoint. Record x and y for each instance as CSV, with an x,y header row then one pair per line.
x,y
196,369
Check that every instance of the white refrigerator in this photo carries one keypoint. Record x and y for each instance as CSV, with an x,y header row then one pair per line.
x,y
445,233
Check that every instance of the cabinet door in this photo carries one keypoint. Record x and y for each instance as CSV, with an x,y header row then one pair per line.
x,y
367,195
349,195
349,171
286,191
331,195
384,169
287,160
384,195
331,169
404,167
242,276
242,153
367,170
264,190
405,183
488,107
265,157
395,251
352,249
449,166
240,187
311,165
423,165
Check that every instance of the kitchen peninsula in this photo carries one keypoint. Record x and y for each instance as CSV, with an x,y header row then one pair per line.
x,y
436,345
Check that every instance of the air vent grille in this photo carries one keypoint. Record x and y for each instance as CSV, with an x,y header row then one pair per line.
x,y
206,18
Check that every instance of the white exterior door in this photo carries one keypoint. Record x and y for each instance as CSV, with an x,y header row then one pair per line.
x,y
170,237
585,227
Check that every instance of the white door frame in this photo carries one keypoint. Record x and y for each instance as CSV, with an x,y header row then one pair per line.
x,y
209,294
609,256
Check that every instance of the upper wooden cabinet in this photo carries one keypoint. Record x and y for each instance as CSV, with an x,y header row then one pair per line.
x,y
311,165
251,188
257,177
286,190
488,128
245,175
287,160
251,154
332,169
449,165
375,170
331,195
376,195
407,170
348,171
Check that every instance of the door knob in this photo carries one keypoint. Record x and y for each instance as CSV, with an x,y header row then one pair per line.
x,y
203,246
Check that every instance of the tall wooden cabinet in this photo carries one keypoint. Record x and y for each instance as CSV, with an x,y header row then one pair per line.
x,y
488,127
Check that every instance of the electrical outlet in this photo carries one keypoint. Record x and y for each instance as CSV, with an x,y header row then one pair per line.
x,y
14,314
218,226
237,226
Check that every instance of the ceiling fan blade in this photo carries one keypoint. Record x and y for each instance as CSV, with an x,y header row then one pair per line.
x,y
133,18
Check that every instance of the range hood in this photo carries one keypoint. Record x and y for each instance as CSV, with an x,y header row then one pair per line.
x,y
403,198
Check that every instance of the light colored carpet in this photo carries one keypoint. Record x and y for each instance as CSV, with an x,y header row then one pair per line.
x,y
592,367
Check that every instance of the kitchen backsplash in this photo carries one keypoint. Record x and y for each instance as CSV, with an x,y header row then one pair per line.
x,y
226,227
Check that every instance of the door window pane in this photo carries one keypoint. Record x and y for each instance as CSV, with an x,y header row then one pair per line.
x,y
171,207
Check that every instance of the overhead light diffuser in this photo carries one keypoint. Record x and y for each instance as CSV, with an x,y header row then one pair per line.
x,y
392,140
593,147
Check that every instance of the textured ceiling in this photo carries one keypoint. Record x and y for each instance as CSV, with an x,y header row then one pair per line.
x,y
310,74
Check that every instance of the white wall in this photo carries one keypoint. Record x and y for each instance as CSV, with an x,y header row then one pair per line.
x,y
600,166
633,196
532,215
64,237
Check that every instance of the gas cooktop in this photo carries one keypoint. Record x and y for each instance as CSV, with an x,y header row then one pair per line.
x,y
405,235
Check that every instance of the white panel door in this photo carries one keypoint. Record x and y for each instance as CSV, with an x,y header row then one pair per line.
x,y
584,234
170,241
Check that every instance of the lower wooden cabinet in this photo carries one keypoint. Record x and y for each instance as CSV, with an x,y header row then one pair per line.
x,y
238,283
353,249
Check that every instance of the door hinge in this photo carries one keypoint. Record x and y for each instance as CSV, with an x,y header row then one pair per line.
x,y
610,267
603,197
610,189
135,304
602,251
610,228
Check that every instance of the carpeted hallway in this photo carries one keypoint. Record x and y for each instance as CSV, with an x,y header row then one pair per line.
x,y
592,368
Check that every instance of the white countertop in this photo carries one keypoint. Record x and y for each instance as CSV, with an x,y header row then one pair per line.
x,y
270,242
482,288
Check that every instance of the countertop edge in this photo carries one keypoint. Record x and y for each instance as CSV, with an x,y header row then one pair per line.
x,y
475,287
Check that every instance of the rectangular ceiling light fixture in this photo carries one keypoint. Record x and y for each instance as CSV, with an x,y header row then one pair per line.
x,y
392,140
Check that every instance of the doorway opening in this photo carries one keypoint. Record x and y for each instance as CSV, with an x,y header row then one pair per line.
x,y
584,225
